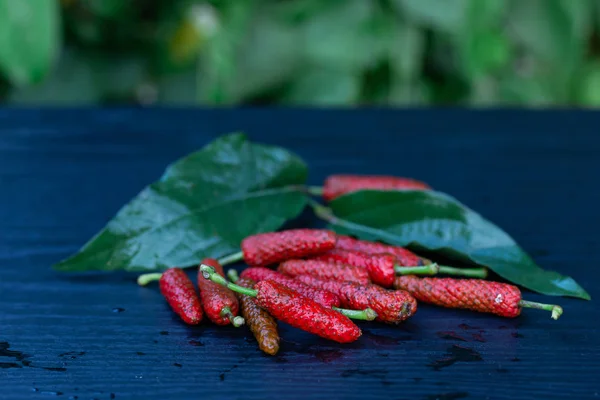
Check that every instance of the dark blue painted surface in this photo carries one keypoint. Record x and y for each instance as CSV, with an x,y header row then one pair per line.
x,y
63,174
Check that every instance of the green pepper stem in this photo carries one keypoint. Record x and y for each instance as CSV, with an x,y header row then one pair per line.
x,y
321,211
431,269
233,276
366,315
235,321
231,259
315,190
480,273
556,310
145,279
208,272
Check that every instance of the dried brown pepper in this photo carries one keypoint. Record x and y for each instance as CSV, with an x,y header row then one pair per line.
x,y
262,325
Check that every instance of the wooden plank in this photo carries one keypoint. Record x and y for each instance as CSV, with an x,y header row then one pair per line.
x,y
64,173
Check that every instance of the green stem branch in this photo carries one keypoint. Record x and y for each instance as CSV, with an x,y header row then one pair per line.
x,y
315,190
321,211
365,315
480,273
208,272
431,269
145,279
556,310
233,276
235,321
231,259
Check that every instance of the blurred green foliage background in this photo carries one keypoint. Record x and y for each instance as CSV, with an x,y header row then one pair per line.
x,y
525,53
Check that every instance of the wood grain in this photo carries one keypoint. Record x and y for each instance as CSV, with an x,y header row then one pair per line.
x,y
64,173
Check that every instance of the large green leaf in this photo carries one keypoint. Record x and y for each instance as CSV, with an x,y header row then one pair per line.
x,y
203,206
29,39
428,220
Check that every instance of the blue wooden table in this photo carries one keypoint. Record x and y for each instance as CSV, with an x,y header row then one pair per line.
x,y
64,173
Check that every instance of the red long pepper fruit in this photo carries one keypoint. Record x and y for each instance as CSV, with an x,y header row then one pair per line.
x,y
391,306
274,247
295,309
380,267
403,256
325,270
472,294
338,185
322,297
220,304
181,295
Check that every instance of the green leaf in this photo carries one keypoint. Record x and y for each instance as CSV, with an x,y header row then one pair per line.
x,y
428,220
178,89
545,28
406,49
596,14
485,52
581,14
203,206
551,47
110,8
483,15
324,88
589,87
442,15
71,83
483,48
268,56
484,92
406,93
344,36
118,77
29,39
252,51
217,67
530,91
